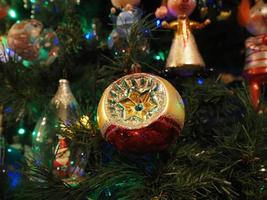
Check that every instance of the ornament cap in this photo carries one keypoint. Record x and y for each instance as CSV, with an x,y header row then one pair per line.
x,y
63,81
135,68
63,88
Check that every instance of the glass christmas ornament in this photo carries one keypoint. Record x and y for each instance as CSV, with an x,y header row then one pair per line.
x,y
50,148
184,57
23,38
253,17
32,42
125,20
129,15
141,113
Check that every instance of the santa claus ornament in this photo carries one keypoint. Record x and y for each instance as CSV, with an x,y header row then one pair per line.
x,y
61,163
141,113
184,56
253,16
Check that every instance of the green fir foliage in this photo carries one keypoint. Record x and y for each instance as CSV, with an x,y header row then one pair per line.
x,y
220,154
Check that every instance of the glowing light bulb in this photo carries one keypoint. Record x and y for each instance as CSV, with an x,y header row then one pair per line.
x,y
200,81
12,13
21,131
158,22
255,86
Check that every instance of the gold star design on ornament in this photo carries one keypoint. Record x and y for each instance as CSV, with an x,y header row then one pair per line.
x,y
138,104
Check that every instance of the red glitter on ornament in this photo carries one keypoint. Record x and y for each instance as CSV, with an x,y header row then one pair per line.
x,y
155,137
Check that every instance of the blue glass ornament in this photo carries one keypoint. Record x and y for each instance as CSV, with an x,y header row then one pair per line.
x,y
123,23
126,19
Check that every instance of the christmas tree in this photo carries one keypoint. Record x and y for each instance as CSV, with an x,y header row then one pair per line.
x,y
129,99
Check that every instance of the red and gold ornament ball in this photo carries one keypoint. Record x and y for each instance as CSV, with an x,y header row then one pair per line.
x,y
141,113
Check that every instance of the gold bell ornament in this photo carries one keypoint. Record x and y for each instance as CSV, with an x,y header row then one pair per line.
x,y
184,55
52,149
